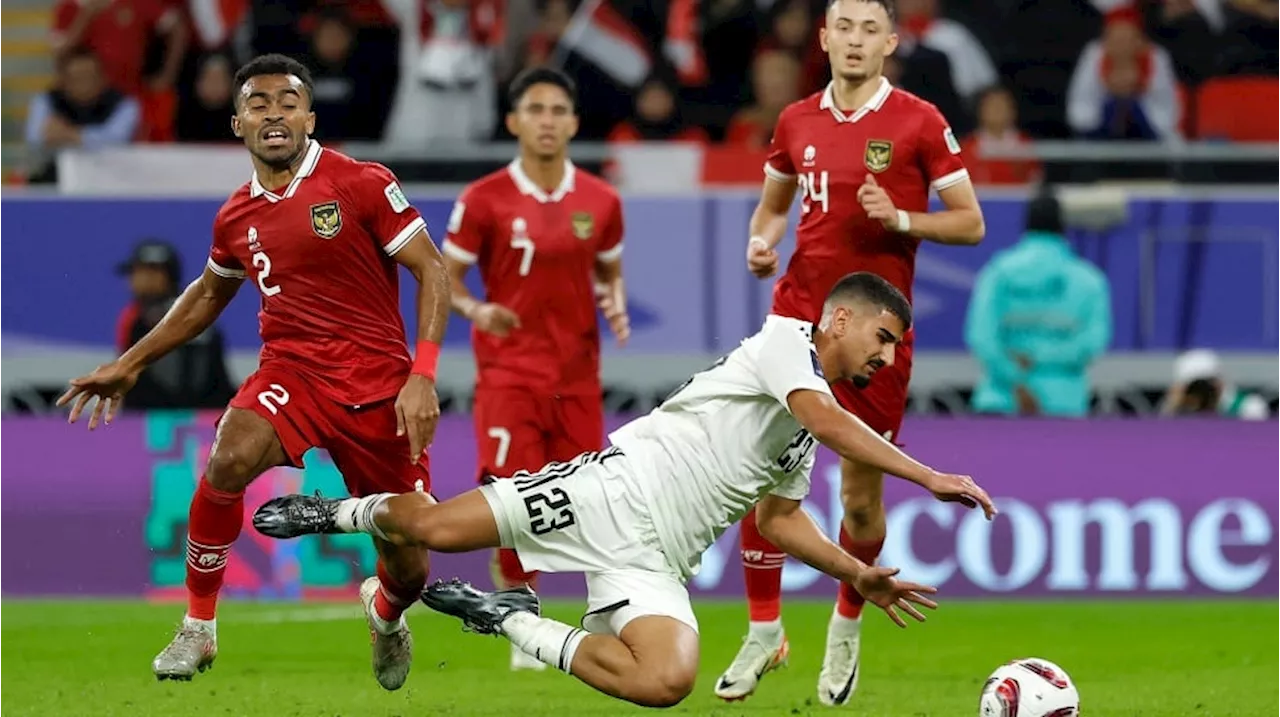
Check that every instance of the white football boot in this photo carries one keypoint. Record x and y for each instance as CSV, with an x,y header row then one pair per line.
x,y
839,677
758,656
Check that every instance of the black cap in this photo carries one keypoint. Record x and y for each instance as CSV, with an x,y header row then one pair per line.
x,y
153,252
1044,213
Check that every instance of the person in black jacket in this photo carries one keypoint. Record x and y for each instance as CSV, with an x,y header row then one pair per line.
x,y
195,375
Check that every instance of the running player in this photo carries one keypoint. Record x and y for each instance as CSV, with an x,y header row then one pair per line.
x,y
864,156
321,236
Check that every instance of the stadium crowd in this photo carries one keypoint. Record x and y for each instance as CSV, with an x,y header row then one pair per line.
x,y
416,72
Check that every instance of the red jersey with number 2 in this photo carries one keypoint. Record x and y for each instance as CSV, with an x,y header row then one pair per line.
x,y
320,251
537,252
901,140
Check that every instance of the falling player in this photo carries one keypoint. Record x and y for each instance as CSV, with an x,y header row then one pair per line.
x,y
545,234
321,235
637,517
864,156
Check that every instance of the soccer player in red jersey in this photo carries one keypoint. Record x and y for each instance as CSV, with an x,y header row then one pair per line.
x,y
321,236
864,156
547,238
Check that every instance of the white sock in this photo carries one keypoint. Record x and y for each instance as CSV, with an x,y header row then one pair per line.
x,y
547,640
840,622
355,515
209,626
767,632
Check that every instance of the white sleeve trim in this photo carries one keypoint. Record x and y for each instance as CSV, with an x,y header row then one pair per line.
x,y
404,236
456,252
223,271
613,254
777,175
948,180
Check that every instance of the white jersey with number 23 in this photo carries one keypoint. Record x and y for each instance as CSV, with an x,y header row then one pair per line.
x,y
724,440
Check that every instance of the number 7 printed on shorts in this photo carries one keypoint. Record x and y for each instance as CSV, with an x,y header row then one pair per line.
x,y
503,437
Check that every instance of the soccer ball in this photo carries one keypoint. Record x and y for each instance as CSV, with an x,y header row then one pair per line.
x,y
1029,687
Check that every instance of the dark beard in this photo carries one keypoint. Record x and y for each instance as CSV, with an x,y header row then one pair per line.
x,y
861,381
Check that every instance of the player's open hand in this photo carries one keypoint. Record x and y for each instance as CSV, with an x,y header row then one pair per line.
x,y
495,319
106,387
880,588
761,260
876,203
417,411
615,312
960,489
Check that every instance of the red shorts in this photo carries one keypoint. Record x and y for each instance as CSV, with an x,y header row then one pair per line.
x,y
883,402
361,440
518,430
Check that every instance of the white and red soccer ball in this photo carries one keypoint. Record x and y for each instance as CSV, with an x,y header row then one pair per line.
x,y
1029,687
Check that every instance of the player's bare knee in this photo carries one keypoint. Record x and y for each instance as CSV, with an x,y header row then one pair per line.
x,y
232,469
659,687
431,530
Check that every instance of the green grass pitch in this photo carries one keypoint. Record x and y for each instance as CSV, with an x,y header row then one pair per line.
x,y
1130,659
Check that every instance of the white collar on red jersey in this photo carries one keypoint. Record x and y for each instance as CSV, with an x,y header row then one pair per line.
x,y
309,162
828,102
530,188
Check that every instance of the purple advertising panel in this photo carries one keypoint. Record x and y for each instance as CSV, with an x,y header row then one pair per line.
x,y
1097,508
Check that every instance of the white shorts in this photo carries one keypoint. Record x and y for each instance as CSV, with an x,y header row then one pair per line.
x,y
585,516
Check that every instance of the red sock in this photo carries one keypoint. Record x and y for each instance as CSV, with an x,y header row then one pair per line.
x,y
393,596
849,601
512,572
213,525
762,565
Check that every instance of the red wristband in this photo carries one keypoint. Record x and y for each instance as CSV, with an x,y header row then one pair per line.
x,y
424,363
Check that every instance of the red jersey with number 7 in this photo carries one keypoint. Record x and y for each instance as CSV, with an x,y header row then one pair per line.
x,y
537,252
900,140
320,251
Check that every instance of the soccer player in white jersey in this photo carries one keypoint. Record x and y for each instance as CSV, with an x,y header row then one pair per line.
x,y
637,517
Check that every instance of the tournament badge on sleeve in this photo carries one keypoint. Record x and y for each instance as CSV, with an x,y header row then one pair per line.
x,y
326,220
879,154
583,225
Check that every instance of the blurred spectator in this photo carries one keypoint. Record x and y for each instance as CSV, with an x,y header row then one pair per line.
x,y
1250,41
119,33
657,117
80,111
997,129
553,19
1191,31
775,82
926,73
195,375
1200,388
447,89
730,31
1123,86
204,114
972,70
1038,317
346,103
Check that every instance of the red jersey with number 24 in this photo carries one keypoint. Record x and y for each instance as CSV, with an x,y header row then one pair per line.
x,y
536,252
320,251
901,140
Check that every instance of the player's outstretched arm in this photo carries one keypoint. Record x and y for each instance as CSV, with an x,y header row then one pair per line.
x,y
848,436
785,524
769,225
192,313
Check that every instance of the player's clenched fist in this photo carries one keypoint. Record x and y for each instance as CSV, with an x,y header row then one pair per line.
x,y
615,312
108,384
762,260
877,204
495,319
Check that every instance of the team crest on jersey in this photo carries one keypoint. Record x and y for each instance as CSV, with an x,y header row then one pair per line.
x,y
326,220
584,225
879,154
